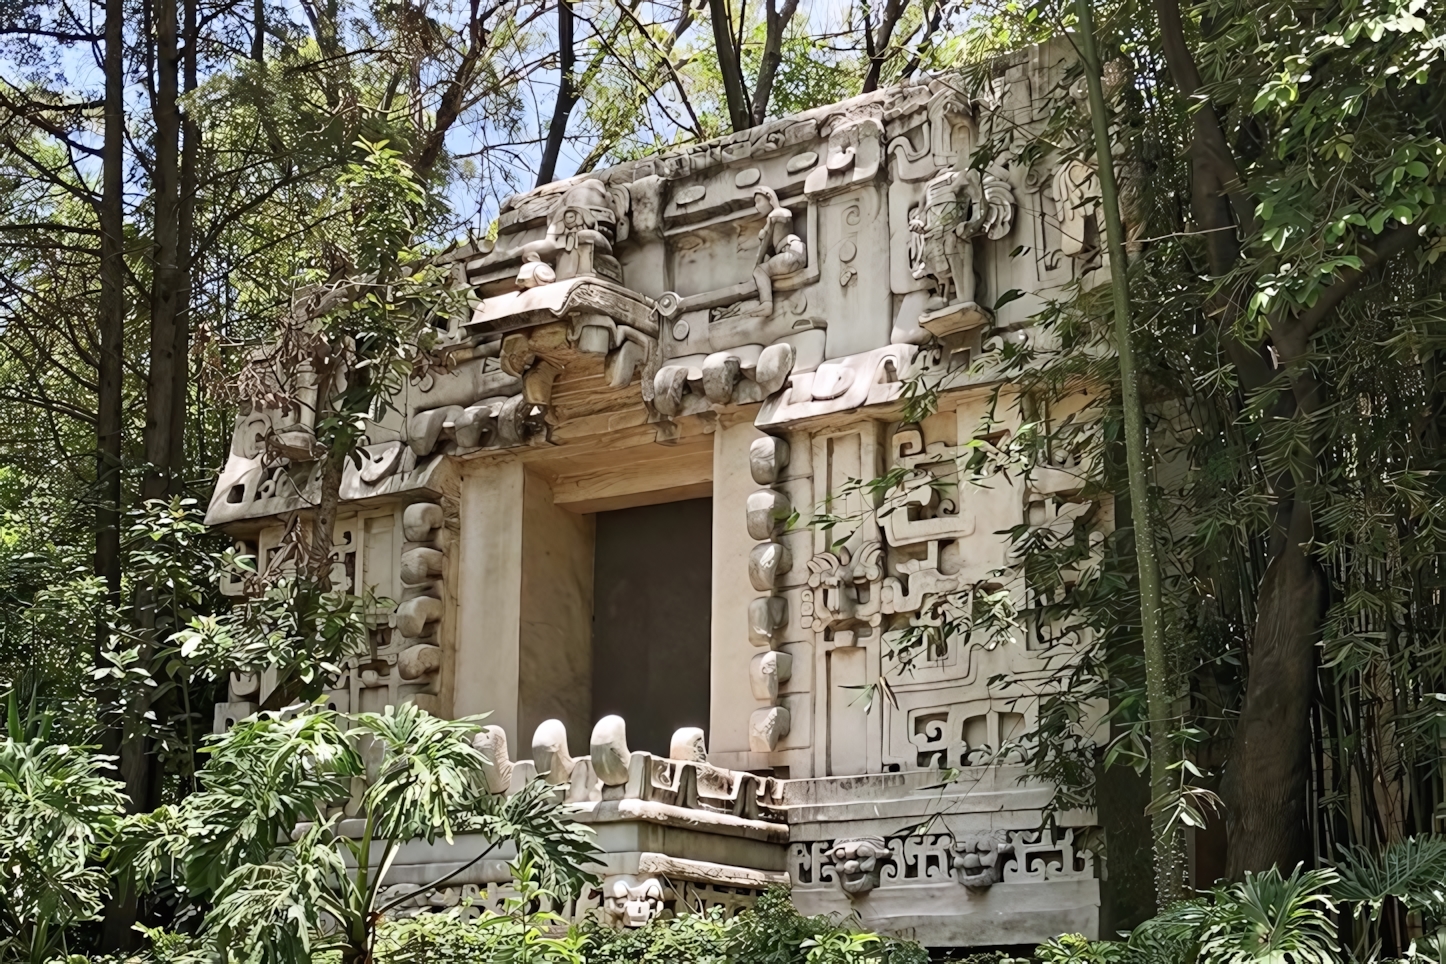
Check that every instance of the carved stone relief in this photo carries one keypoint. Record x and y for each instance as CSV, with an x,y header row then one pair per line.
x,y
858,864
632,902
406,565
977,732
975,860
769,513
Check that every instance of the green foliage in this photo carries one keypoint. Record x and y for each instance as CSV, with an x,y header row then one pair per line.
x,y
280,911
522,933
653,80
1078,949
176,638
771,932
289,624
702,937
1264,919
1409,876
1272,919
273,899
1334,111
1412,871
56,806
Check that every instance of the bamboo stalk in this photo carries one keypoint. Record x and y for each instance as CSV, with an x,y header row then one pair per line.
x,y
1169,869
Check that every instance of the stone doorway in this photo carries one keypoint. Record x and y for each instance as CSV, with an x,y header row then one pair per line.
x,y
652,604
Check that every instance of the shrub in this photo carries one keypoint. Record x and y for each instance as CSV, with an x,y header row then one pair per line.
x,y
772,932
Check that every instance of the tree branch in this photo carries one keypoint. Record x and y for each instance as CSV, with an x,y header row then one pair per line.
x,y
666,56
930,27
566,94
1290,335
1216,190
878,43
776,23
436,883
729,66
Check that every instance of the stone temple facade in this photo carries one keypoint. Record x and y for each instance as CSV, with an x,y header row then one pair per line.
x,y
600,520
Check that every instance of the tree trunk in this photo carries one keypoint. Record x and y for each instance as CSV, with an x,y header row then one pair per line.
x,y
1265,781
185,257
120,915
1213,175
1264,787
566,95
931,25
1160,685
164,406
258,31
323,523
729,66
877,43
313,572
166,285
112,307
775,24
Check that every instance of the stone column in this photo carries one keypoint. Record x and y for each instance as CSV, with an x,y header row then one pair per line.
x,y
731,699
488,594
523,597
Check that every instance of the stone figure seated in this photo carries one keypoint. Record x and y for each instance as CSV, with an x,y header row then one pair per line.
x,y
780,251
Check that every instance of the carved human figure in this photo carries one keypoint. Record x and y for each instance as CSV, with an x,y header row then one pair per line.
x,y
958,207
780,251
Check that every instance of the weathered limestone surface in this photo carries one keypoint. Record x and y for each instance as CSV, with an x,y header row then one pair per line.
x,y
739,319
489,612
555,659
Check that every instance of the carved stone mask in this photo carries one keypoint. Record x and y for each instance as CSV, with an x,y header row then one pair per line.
x,y
979,859
859,863
635,905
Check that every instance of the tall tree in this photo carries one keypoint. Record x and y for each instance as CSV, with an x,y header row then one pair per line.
x,y
749,109
1265,788
112,304
1169,867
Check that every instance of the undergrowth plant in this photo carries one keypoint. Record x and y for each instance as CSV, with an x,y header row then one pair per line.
x,y
771,932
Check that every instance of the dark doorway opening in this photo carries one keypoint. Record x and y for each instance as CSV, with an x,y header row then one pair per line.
x,y
651,616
